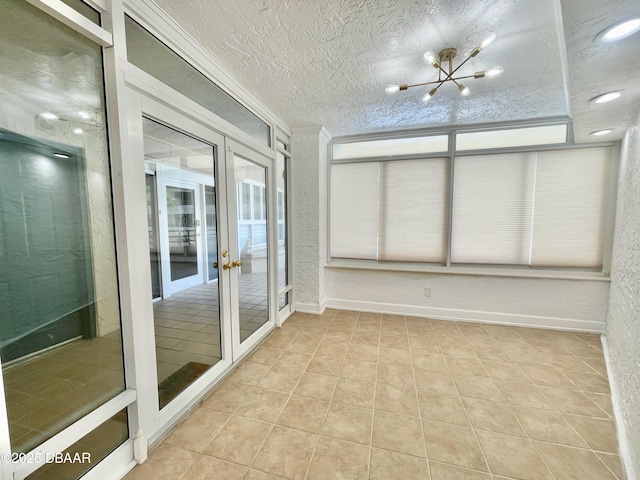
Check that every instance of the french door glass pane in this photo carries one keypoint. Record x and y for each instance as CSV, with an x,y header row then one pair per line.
x,y
60,340
252,242
281,175
187,313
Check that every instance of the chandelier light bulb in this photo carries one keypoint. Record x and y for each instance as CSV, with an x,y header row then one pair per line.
x,y
430,57
494,72
464,90
488,41
392,88
427,97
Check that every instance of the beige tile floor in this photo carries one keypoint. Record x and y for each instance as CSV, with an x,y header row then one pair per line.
x,y
350,395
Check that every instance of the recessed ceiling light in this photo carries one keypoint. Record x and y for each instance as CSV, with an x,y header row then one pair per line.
x,y
606,97
49,116
620,30
600,132
61,155
77,131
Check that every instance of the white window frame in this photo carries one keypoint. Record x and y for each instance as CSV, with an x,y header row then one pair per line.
x,y
480,269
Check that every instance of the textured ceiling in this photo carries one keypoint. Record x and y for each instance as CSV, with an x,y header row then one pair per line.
x,y
327,62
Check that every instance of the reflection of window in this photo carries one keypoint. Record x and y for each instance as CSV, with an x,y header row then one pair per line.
x,y
252,213
246,201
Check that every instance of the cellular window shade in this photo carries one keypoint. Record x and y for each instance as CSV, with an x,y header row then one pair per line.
x,y
354,210
571,202
413,218
493,209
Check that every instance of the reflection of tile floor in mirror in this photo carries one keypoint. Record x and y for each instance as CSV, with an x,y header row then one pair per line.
x,y
187,324
366,396
49,392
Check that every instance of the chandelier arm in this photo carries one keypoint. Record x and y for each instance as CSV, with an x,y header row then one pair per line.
x,y
440,81
458,67
425,83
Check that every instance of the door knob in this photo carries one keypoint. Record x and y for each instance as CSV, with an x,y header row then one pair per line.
x,y
215,264
227,265
225,253
236,263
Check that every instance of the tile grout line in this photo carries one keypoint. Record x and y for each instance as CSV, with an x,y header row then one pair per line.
x,y
415,384
464,407
315,447
375,393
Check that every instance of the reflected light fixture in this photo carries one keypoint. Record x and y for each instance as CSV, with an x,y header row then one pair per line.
x,y
606,97
600,132
443,62
61,155
49,116
78,131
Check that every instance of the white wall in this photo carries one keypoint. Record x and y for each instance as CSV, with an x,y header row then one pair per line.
x,y
553,303
623,320
309,179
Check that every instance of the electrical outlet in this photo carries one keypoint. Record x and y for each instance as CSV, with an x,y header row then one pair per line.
x,y
427,291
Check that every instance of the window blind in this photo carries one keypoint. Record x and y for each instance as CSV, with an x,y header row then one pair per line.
x,y
354,210
413,218
493,209
572,197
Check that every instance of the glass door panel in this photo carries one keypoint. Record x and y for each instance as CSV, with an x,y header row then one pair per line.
x,y
251,239
187,314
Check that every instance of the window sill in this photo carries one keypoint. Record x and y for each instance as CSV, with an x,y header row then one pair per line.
x,y
487,271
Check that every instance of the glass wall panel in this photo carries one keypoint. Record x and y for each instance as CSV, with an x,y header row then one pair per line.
x,y
84,9
187,311
282,172
60,339
85,454
154,57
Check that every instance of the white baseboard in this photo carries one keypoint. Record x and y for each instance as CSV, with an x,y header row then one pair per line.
x,y
474,316
623,439
315,308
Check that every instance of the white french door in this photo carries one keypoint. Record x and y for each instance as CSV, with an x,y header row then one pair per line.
x,y
251,278
207,234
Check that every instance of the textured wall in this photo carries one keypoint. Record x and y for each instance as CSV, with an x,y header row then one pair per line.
x,y
527,301
623,320
309,177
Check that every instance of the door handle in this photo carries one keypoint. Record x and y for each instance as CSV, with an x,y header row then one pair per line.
x,y
215,264
227,265
236,263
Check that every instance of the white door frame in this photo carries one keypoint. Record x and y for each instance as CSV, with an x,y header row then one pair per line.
x,y
236,149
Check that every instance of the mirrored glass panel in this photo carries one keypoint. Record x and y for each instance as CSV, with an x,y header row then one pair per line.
x,y
151,55
181,206
252,243
85,454
60,340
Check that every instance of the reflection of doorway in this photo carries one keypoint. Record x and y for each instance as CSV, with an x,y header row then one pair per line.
x,y
181,221
46,284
